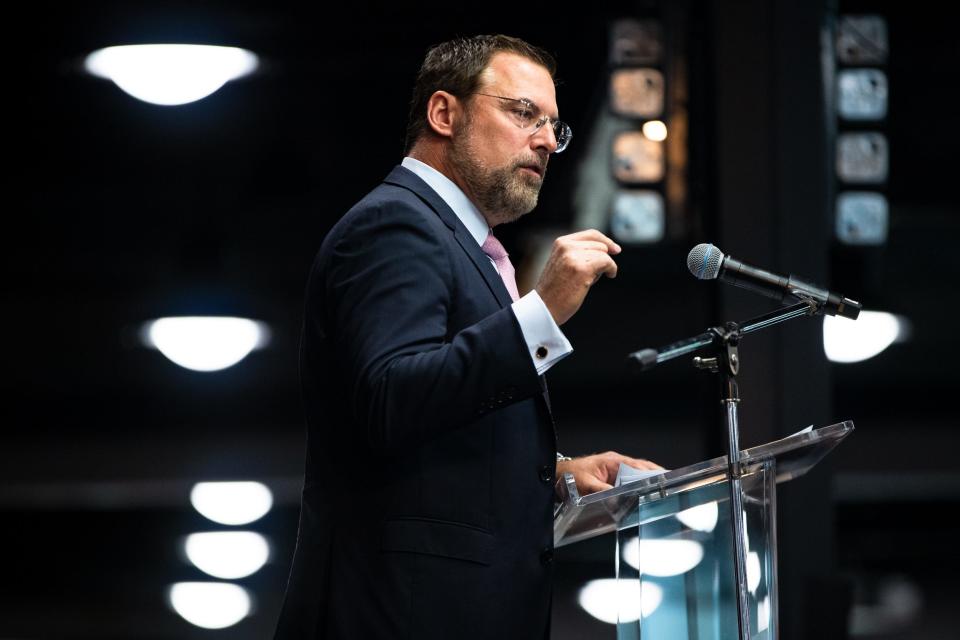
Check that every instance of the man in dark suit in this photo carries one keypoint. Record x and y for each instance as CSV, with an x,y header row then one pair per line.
x,y
431,456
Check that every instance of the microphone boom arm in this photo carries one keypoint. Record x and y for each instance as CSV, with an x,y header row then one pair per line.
x,y
649,358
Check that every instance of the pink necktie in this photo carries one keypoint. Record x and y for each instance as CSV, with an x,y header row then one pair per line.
x,y
496,252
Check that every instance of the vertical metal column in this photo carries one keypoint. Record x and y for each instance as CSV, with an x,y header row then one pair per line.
x,y
736,514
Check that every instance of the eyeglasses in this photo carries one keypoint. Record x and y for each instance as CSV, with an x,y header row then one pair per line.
x,y
528,116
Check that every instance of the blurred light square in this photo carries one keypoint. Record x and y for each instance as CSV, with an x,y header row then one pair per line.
x,y
636,158
862,39
862,218
862,157
862,94
634,42
637,93
638,216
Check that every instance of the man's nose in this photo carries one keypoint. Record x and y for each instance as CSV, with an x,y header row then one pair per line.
x,y
542,140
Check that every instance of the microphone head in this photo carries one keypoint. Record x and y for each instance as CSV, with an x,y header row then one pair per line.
x,y
704,261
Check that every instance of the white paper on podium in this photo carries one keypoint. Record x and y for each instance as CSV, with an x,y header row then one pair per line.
x,y
628,474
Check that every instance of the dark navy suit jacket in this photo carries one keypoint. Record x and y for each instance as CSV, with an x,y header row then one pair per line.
x,y
427,503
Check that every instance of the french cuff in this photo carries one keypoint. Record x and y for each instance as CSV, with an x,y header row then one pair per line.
x,y
545,342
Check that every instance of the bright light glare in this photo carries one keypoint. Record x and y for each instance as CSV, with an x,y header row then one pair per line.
x,y
700,518
170,74
655,130
662,557
211,605
231,503
763,614
227,554
847,340
753,571
205,343
613,601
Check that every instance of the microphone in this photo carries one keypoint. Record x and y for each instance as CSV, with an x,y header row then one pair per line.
x,y
706,262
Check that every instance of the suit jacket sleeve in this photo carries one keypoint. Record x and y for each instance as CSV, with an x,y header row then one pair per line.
x,y
389,284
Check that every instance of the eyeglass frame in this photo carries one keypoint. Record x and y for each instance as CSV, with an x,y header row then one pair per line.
x,y
542,120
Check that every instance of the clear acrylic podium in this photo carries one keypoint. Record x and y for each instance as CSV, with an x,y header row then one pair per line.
x,y
675,554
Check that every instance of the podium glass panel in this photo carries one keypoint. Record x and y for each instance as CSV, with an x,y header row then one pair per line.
x,y
674,563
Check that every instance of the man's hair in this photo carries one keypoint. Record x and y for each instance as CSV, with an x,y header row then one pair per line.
x,y
455,66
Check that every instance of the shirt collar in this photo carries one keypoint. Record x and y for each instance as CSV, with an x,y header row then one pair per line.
x,y
456,199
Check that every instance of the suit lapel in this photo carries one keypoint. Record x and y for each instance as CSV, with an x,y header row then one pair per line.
x,y
403,177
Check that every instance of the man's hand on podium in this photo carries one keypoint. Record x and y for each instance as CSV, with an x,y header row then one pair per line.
x,y
599,471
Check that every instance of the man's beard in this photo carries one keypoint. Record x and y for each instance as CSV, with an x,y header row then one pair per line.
x,y
503,194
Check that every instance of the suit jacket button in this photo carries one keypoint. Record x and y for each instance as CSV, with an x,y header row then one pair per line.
x,y
546,473
546,557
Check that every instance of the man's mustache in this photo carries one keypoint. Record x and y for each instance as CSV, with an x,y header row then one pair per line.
x,y
535,163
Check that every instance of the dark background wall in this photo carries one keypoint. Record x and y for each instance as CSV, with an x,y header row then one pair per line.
x,y
120,212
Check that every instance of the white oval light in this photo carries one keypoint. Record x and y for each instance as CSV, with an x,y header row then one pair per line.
x,y
170,74
847,340
613,601
753,571
227,554
700,518
662,557
231,503
205,343
655,130
211,605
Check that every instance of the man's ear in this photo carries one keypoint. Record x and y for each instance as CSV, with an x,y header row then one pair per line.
x,y
443,111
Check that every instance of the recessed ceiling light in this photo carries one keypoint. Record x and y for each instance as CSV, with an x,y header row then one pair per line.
x,y
227,554
205,343
232,503
662,557
614,601
210,605
170,74
700,518
847,340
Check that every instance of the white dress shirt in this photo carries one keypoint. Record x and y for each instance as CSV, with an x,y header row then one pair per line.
x,y
545,342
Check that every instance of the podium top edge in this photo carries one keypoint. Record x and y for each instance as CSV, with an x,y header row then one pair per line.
x,y
824,438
